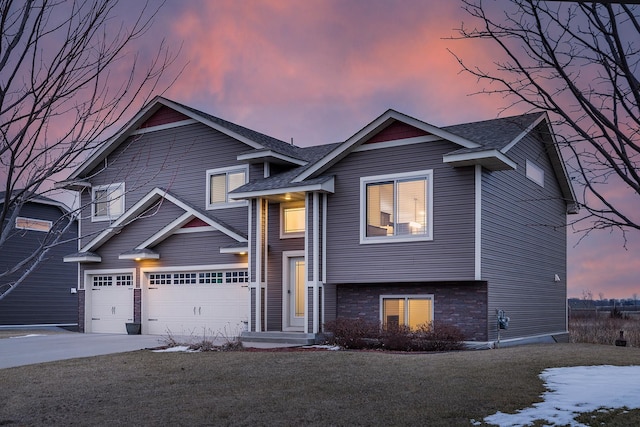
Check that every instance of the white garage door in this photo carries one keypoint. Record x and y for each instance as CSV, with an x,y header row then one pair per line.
x,y
196,303
111,303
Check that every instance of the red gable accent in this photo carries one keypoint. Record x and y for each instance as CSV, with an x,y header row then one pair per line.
x,y
397,130
196,222
163,116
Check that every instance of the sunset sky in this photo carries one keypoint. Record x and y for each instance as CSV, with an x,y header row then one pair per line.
x,y
318,71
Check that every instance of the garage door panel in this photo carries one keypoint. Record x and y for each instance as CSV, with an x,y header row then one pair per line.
x,y
111,306
194,309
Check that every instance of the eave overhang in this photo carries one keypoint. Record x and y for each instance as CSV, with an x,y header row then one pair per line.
x,y
493,160
83,257
328,186
237,249
139,254
259,156
72,184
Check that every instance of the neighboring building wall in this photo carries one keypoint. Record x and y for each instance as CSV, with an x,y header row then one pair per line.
x,y
524,246
45,296
463,304
449,256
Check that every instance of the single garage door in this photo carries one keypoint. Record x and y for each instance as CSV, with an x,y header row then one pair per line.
x,y
111,302
198,303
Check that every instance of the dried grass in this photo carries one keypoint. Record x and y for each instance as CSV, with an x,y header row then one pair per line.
x,y
290,388
603,329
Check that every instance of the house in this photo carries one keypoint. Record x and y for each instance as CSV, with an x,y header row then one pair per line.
x,y
195,224
46,297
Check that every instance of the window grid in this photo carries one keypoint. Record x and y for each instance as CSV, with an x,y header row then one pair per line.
x,y
199,278
110,280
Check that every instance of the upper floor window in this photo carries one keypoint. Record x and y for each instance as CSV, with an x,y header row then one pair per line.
x,y
535,173
220,182
107,201
396,207
33,224
292,220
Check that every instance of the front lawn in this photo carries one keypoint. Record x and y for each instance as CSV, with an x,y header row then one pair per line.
x,y
291,388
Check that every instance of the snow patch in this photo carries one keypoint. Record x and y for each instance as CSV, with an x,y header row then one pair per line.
x,y
575,390
176,349
29,335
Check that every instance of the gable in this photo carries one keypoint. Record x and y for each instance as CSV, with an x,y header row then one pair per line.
x,y
395,131
153,198
163,116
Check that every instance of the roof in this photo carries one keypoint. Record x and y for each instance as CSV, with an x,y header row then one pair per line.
x,y
253,139
484,143
35,198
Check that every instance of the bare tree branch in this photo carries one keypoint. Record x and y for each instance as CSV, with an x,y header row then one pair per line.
x,y
61,89
580,62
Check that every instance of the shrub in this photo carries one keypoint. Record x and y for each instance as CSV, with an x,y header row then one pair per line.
x,y
361,334
353,333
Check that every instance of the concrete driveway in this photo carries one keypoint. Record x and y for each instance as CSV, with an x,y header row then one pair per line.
x,y
30,349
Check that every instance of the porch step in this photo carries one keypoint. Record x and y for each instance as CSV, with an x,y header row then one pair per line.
x,y
297,338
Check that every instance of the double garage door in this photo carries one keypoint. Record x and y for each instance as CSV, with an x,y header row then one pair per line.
x,y
177,303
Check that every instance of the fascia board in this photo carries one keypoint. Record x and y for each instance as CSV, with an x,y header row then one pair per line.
x,y
325,187
211,124
514,141
112,143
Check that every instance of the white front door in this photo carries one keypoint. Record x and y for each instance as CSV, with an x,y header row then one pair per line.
x,y
294,301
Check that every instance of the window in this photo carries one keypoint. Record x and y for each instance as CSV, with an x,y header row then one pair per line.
x,y
33,224
410,310
396,207
108,202
220,182
292,220
111,280
535,173
199,278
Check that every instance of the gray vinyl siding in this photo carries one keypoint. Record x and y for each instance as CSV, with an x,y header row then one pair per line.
x,y
449,256
524,246
274,271
45,296
175,159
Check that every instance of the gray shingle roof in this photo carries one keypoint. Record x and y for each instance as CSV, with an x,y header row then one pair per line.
x,y
262,139
495,133
283,180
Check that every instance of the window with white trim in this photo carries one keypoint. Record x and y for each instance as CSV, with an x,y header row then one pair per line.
x,y
107,201
292,220
396,207
33,224
406,310
220,182
535,173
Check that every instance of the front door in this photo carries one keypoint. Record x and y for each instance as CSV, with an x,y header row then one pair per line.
x,y
294,300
